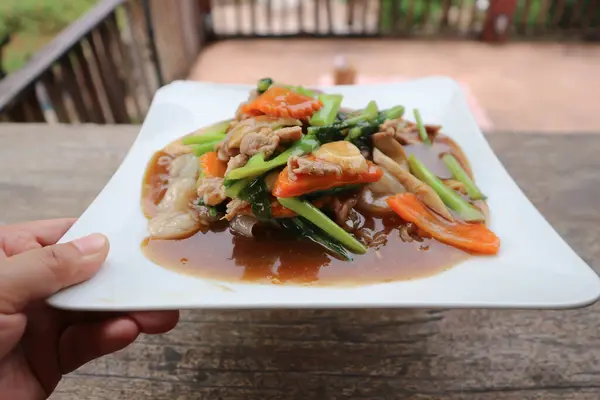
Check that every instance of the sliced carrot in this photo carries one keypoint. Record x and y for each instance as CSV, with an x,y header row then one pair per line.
x,y
475,238
278,101
211,166
303,184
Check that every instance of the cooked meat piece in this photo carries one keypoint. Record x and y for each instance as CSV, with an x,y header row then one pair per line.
x,y
259,142
234,206
185,166
289,134
178,196
406,132
236,162
342,207
307,166
211,191
173,225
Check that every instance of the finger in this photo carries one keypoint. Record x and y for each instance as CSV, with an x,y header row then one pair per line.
x,y
12,328
154,322
37,274
17,242
80,344
46,232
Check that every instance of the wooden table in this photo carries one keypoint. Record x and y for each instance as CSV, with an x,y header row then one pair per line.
x,y
53,171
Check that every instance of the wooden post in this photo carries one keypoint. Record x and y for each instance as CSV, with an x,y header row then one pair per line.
x,y
498,20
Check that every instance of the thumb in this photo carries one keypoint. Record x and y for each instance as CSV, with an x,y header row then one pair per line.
x,y
39,273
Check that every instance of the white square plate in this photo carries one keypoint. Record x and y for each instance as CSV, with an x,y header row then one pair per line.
x,y
535,267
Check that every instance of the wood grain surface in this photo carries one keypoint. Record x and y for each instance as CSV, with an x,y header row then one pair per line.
x,y
55,171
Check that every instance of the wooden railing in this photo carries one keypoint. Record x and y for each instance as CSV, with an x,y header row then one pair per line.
x,y
105,67
101,69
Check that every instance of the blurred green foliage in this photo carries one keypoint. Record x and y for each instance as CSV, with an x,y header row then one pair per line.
x,y
32,23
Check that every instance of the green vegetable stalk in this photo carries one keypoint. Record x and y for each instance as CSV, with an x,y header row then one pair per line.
x,y
263,85
326,115
205,147
391,113
461,175
258,166
421,128
368,114
452,199
314,215
210,133
234,189
203,138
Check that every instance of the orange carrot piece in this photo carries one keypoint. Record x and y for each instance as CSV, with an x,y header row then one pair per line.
x,y
282,102
211,166
475,238
303,184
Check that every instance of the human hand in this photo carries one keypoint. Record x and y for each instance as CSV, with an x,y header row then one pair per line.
x,y
39,344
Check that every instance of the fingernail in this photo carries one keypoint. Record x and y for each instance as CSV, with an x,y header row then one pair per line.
x,y
90,244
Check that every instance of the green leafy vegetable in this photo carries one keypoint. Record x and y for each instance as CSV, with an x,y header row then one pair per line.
x,y
422,131
258,166
233,188
314,215
304,228
452,199
331,192
460,174
362,129
327,114
256,193
263,85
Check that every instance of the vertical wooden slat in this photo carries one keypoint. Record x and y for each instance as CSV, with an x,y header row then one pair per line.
x,y
52,84
269,5
108,76
426,13
589,15
472,17
253,6
394,16
365,14
142,61
445,12
32,108
317,12
238,17
72,87
541,21
125,63
329,16
524,22
559,10
576,16
350,13
409,17
95,108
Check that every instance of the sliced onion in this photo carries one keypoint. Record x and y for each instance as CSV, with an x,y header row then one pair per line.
x,y
243,225
373,204
387,184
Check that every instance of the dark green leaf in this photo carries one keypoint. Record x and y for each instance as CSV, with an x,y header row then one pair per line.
x,y
257,195
303,228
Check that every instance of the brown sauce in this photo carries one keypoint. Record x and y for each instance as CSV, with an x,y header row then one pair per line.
x,y
276,258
